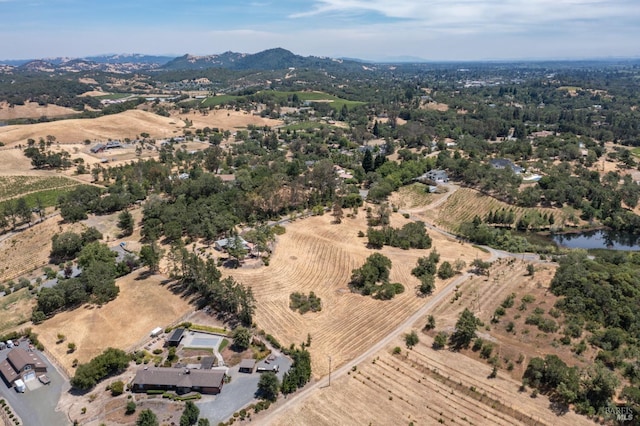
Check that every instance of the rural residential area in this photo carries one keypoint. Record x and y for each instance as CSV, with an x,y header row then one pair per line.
x,y
280,239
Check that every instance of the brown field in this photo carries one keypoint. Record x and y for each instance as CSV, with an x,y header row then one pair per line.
x,y
436,106
226,119
423,385
127,124
466,203
33,110
316,255
29,249
141,306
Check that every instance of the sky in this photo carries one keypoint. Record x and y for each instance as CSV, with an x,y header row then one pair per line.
x,y
433,30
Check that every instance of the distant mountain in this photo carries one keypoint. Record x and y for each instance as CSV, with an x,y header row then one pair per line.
x,y
271,59
130,58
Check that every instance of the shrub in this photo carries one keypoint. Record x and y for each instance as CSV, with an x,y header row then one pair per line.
x,y
117,388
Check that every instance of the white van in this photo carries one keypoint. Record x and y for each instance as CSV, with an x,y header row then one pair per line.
x,y
9,343
20,386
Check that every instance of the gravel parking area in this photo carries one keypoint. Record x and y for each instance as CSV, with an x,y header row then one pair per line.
x,y
239,393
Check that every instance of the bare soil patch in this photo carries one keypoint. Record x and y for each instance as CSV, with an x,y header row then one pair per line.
x,y
436,106
142,305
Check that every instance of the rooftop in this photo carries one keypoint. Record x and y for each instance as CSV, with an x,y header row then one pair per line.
x,y
178,377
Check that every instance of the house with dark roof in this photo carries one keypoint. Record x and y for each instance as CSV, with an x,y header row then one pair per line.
x,y
21,364
179,380
503,163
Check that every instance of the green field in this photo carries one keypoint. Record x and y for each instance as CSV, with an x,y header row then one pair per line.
x,y
14,186
335,102
114,96
636,151
48,197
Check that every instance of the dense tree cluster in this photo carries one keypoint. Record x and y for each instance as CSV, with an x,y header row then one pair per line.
x,y
425,271
229,298
67,245
299,373
110,362
303,303
373,278
411,235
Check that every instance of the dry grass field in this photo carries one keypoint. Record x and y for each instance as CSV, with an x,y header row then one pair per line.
x,y
316,255
117,126
466,203
141,306
225,119
425,387
33,110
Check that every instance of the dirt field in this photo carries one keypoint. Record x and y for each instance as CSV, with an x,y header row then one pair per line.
x,y
316,255
33,110
425,387
117,126
141,306
226,119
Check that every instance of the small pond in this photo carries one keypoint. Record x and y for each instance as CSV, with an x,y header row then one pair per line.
x,y
599,239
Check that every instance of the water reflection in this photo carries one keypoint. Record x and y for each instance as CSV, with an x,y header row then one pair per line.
x,y
599,239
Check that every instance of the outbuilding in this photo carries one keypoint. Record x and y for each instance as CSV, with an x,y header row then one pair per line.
x,y
247,365
176,337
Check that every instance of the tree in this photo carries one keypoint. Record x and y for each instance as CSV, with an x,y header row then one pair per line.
x,y
531,270
150,256
190,414
337,211
131,408
147,418
440,341
445,271
431,323
268,386
71,347
465,329
367,161
411,339
241,339
204,422
125,223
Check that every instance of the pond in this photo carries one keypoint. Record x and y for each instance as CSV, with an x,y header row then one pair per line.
x,y
599,239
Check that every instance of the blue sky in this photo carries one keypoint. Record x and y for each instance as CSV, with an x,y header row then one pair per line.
x,y
367,29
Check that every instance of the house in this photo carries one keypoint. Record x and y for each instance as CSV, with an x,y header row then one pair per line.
x,y
222,244
207,363
21,364
176,337
503,163
179,380
98,148
247,366
438,176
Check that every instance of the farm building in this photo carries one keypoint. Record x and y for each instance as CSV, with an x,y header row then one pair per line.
x,y
503,163
113,144
247,365
179,380
176,337
21,364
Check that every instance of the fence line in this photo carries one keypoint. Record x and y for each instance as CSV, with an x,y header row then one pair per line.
x,y
62,369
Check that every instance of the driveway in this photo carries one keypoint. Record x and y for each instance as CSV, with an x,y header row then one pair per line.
x,y
37,406
237,394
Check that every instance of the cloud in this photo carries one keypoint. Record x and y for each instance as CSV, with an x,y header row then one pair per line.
x,y
479,15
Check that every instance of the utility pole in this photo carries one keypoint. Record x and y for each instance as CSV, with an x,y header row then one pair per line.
x,y
329,370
